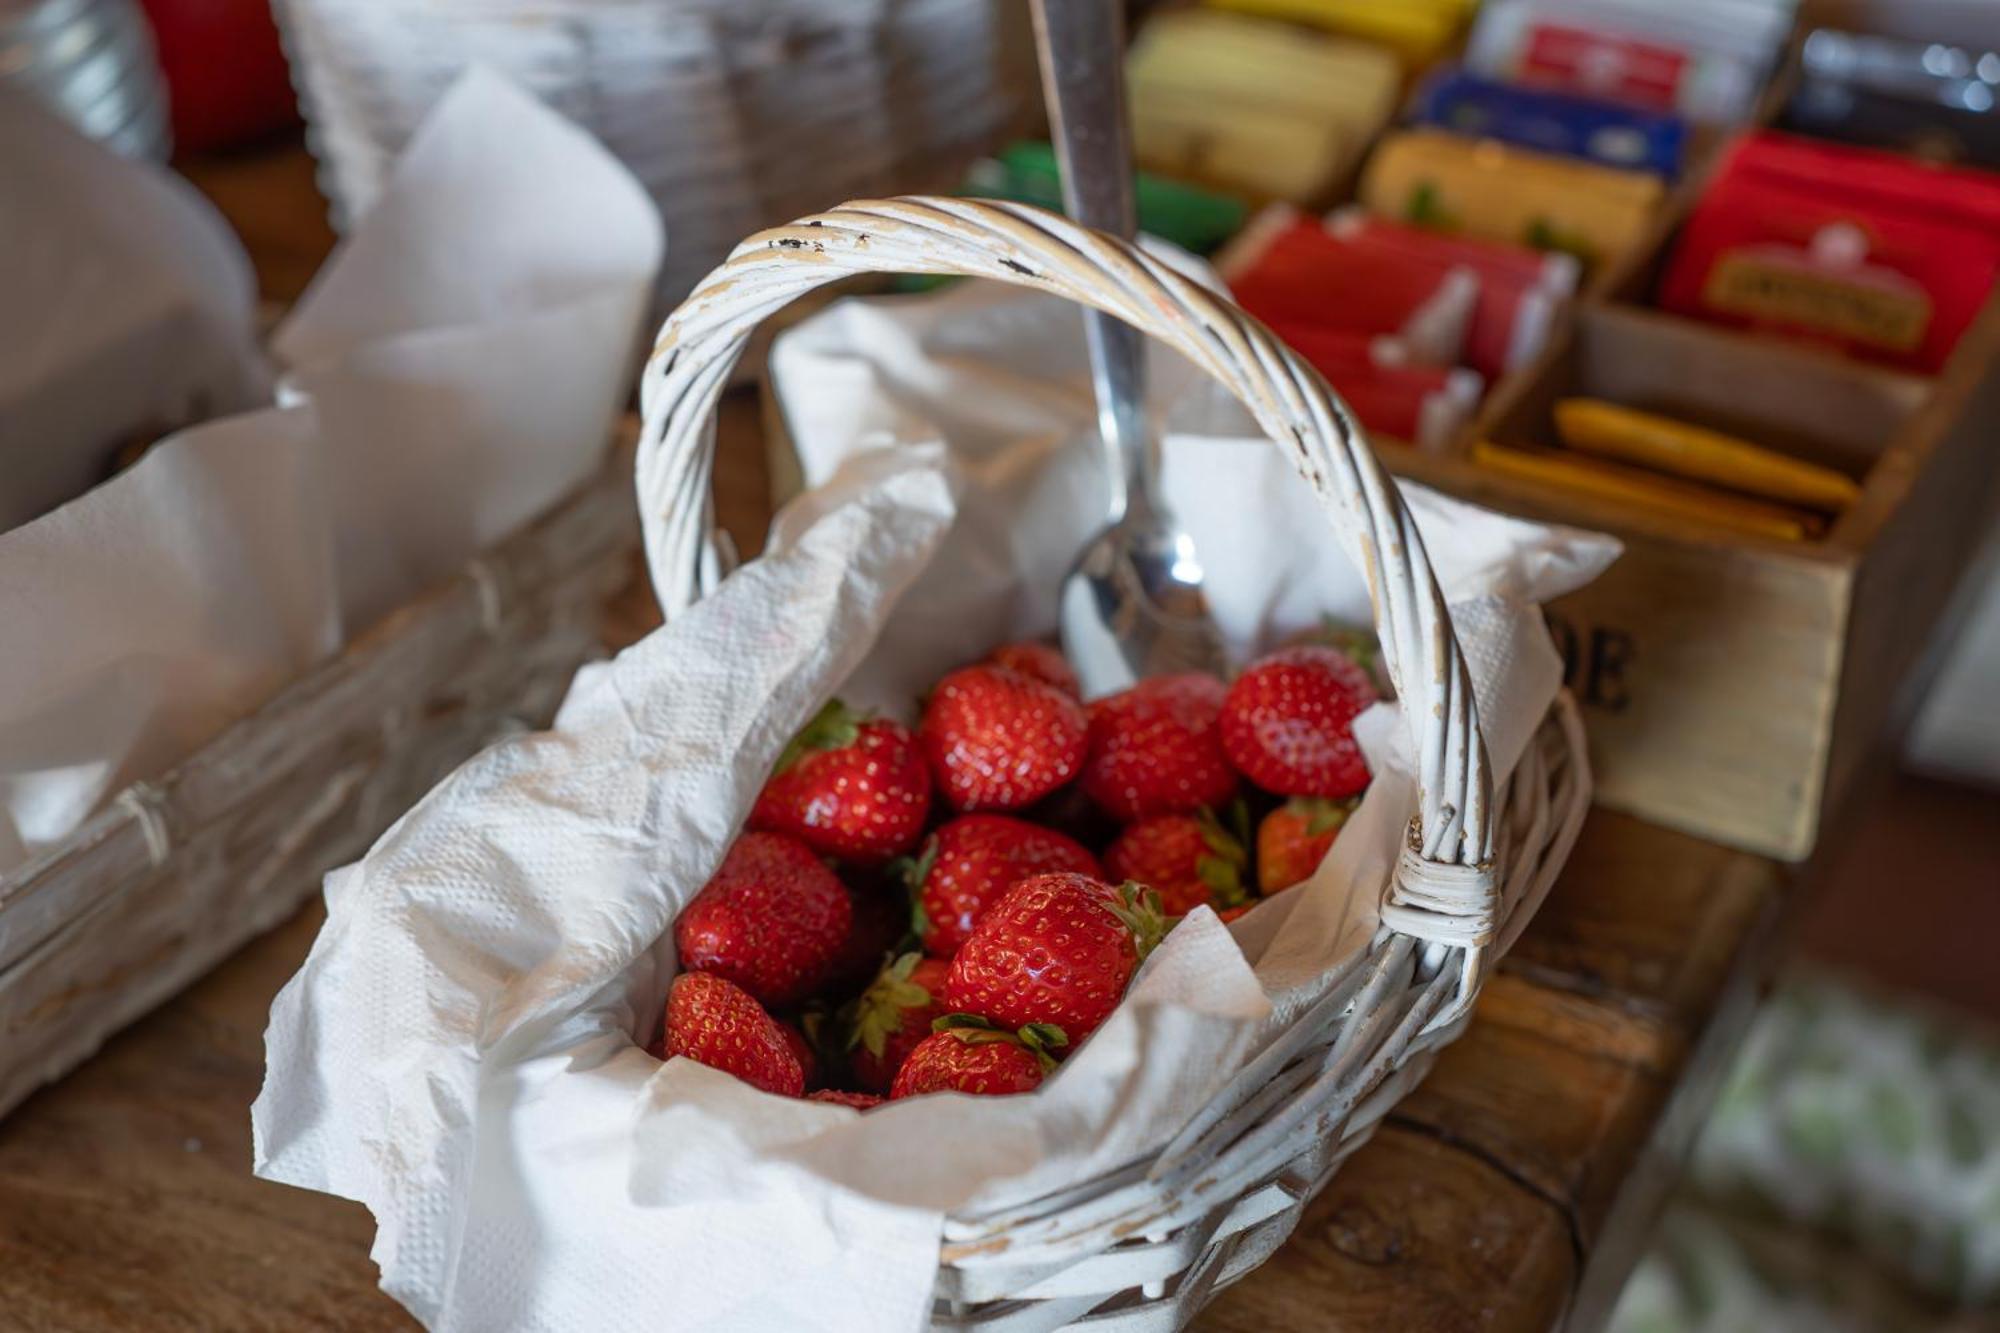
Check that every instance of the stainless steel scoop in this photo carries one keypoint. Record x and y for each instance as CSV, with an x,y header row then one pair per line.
x,y
1133,605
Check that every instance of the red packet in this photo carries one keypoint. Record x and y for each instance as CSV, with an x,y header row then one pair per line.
x,y
1601,64
1290,270
1422,405
1879,255
1521,290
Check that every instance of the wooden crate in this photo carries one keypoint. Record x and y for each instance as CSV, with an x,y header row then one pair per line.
x,y
180,871
1735,684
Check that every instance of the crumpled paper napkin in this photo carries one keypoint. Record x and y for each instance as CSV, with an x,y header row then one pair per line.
x,y
455,370
458,1051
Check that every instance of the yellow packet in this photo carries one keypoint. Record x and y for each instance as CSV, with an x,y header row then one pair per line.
x,y
1416,31
1262,151
1663,444
1484,188
1229,57
1646,490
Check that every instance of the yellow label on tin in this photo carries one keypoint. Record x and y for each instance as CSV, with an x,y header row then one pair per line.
x,y
1871,306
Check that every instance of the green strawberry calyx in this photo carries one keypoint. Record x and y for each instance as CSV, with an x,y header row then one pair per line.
x,y
834,727
1322,816
1139,908
913,871
1040,1039
878,1011
1221,868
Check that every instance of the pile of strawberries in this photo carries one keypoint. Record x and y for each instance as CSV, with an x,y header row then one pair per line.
x,y
922,911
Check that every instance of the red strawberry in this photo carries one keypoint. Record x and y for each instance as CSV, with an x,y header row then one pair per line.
x,y
718,1024
848,787
891,1017
1294,838
970,861
1043,661
968,1054
1057,949
802,1051
1156,750
999,740
1288,722
1188,860
880,921
770,920
860,1101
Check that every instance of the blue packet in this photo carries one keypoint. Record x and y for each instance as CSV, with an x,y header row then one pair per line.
x,y
1610,134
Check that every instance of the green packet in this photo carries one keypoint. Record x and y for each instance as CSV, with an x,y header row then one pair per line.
x,y
1192,218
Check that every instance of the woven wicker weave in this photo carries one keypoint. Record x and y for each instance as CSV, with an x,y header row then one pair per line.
x,y
732,115
1145,1246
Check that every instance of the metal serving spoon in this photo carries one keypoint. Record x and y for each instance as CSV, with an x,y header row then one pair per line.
x,y
1133,605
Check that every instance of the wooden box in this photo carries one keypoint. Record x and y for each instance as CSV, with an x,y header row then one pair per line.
x,y
180,871
1733,684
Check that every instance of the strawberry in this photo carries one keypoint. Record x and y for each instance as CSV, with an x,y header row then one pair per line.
x,y
1288,722
770,920
859,1101
1155,749
969,1054
802,1051
970,861
999,740
1188,860
848,786
1294,838
891,1017
880,921
1057,949
1043,661
717,1023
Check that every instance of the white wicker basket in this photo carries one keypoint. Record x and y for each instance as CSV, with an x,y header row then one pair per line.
x,y
1144,1247
733,115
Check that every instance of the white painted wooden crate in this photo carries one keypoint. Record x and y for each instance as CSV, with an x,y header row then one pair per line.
x,y
1144,1247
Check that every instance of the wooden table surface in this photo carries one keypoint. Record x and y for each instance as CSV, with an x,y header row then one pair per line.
x,y
1511,1191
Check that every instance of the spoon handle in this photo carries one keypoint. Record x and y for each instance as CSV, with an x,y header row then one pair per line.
x,y
1082,49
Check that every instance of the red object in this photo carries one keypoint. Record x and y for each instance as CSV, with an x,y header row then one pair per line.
x,y
1295,838
1156,749
1304,276
859,1101
1598,64
990,1065
718,1024
849,787
1288,723
1189,860
1415,404
973,860
771,920
227,82
892,1017
1043,661
878,919
1879,255
1521,290
1056,951
999,740
802,1051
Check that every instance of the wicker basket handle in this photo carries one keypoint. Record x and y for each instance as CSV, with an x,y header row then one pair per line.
x,y
1444,888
